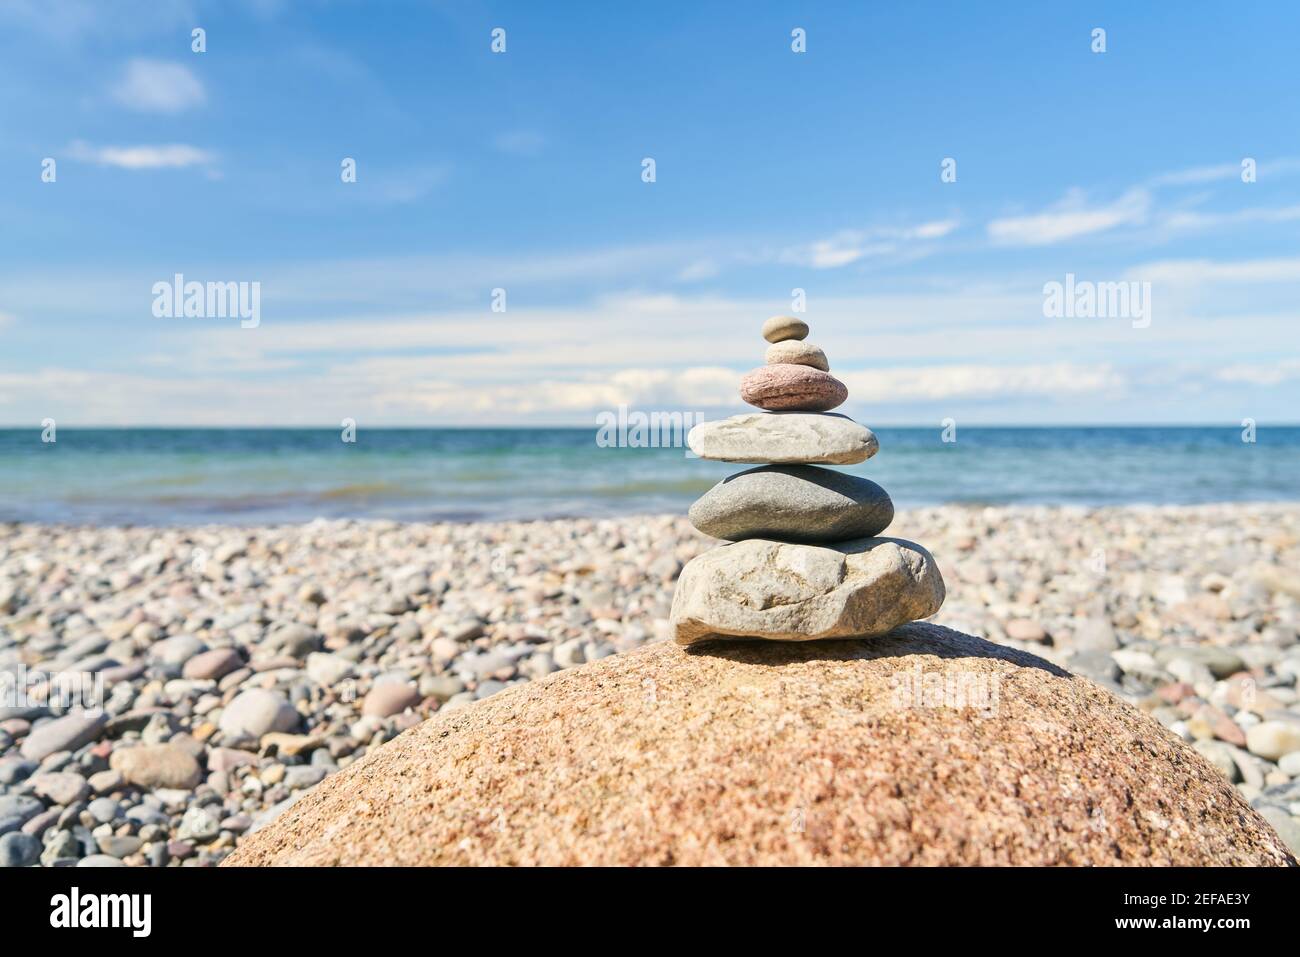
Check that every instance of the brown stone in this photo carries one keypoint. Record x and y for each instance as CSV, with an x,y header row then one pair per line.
x,y
793,388
157,766
776,753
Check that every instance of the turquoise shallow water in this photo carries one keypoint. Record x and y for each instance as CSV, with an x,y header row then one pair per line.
x,y
248,476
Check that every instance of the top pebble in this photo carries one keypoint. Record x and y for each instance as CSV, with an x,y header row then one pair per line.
x,y
781,328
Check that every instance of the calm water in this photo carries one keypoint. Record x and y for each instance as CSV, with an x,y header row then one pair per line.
x,y
247,476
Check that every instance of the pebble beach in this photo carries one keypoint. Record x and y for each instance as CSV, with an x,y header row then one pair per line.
x,y
240,667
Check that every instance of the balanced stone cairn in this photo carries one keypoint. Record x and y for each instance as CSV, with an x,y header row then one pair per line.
x,y
805,562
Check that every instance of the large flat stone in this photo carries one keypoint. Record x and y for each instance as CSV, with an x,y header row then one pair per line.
x,y
793,503
784,592
784,438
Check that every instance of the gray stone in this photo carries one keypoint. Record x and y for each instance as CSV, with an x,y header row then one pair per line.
x,y
1287,827
1220,661
774,590
104,810
60,787
63,734
60,846
13,770
784,438
175,651
797,353
19,850
304,776
100,860
256,712
199,824
19,806
119,846
793,503
294,639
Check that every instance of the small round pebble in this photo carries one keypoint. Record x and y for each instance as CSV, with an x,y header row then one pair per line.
x,y
781,328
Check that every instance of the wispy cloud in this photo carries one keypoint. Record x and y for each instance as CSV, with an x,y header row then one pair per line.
x,y
928,384
1218,172
1070,218
1266,374
159,86
1192,220
1197,271
851,245
159,156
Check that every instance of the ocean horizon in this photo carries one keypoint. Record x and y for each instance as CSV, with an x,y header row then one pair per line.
x,y
243,476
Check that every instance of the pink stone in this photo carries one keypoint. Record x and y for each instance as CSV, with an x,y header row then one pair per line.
x,y
389,698
788,387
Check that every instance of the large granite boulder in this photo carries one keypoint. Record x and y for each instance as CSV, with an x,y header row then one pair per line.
x,y
925,746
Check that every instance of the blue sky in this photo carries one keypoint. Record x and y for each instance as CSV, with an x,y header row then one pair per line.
x,y
522,170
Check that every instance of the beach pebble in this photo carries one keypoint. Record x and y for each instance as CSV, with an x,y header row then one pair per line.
x,y
797,353
15,769
214,664
295,640
19,850
794,503
1273,739
1220,662
63,734
60,787
256,712
100,860
157,766
175,651
104,810
793,388
784,438
327,669
199,824
389,698
1022,629
783,328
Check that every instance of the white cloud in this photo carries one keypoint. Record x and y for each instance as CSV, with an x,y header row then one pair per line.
x,y
159,156
932,383
1197,271
850,245
1071,218
159,86
1194,220
1264,375
1197,175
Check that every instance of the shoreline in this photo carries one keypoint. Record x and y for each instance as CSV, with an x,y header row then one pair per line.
x,y
1251,505
243,665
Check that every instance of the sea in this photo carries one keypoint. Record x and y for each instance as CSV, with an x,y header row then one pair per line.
x,y
161,476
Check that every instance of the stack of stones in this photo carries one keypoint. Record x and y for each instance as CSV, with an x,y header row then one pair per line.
x,y
805,561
